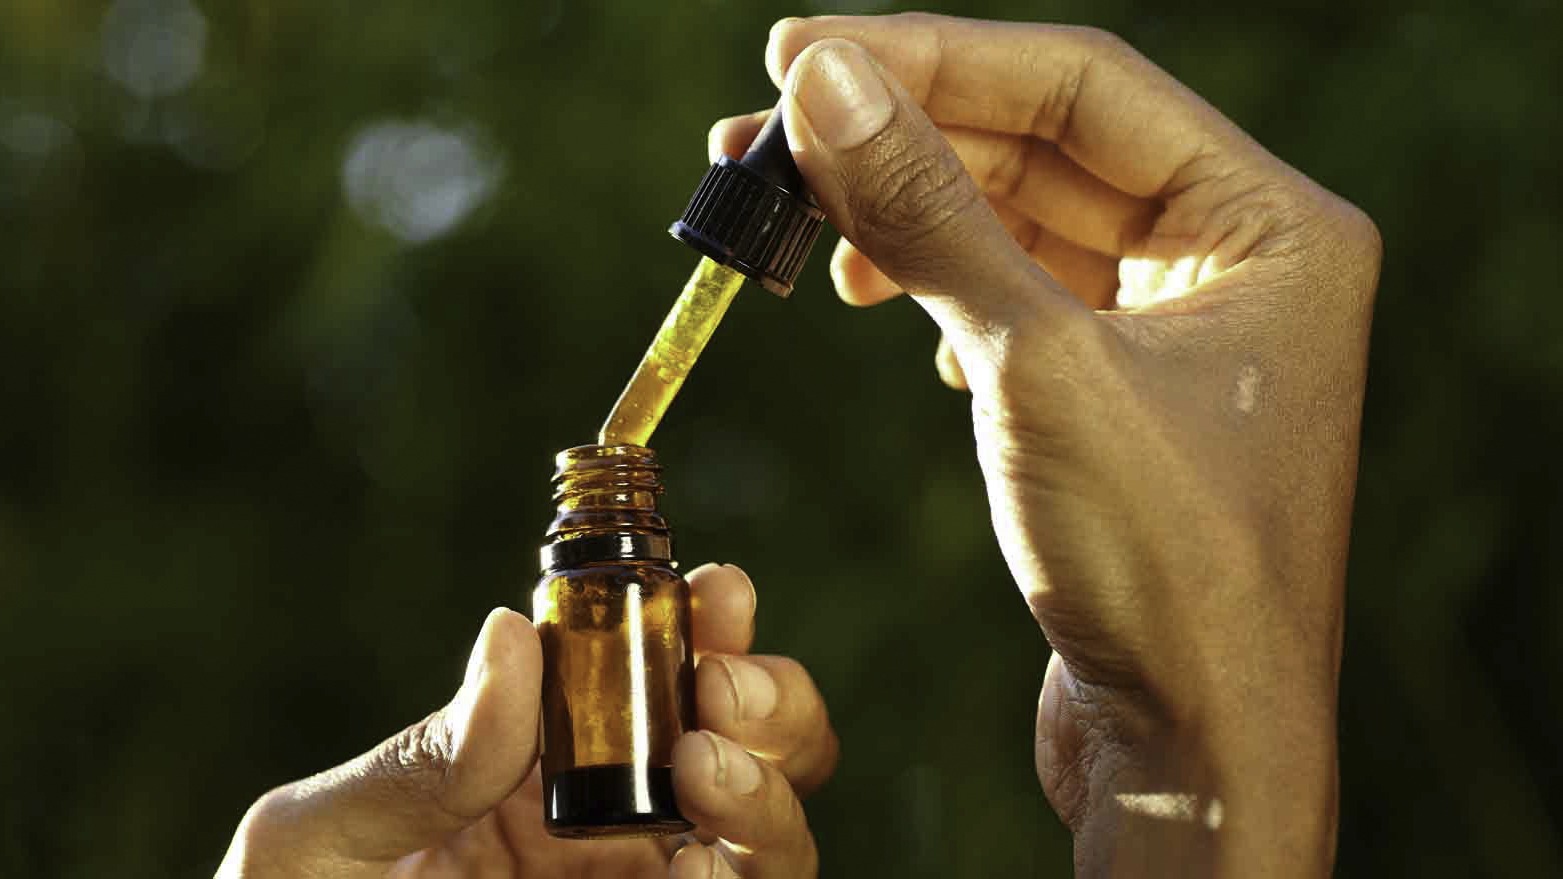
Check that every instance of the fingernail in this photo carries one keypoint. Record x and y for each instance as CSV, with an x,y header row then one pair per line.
x,y
736,769
754,597
842,94
754,690
695,572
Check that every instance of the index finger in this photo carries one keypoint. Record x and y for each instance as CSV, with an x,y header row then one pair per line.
x,y
1115,113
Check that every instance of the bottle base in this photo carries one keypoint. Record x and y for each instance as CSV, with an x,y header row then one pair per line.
x,y
604,802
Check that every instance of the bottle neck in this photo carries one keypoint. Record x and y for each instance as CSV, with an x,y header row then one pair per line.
x,y
606,502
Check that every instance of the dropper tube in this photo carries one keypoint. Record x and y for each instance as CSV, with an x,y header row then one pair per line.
x,y
684,334
750,217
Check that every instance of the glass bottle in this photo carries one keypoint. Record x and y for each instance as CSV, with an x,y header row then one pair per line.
x,y
618,666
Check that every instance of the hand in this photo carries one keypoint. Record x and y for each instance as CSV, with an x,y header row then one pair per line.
x,y
457,794
1164,331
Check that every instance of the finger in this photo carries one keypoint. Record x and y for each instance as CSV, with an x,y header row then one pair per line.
x,y
949,366
429,781
731,136
858,281
771,706
697,861
1089,276
1020,175
1121,117
722,602
748,803
893,186
1034,177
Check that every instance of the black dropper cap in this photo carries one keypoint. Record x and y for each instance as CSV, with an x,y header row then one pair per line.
x,y
755,214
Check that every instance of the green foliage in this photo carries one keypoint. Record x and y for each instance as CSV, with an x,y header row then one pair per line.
x,y
275,428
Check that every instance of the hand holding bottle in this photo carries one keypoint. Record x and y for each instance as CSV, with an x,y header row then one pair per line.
x,y
1164,331
456,794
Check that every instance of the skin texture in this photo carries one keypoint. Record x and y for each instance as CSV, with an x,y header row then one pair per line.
x,y
457,794
1164,332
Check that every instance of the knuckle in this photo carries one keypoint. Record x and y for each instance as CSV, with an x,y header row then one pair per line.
x,y
789,670
1056,107
1235,214
1357,250
773,825
1366,248
268,815
778,835
1362,234
800,693
807,746
422,747
416,760
271,807
267,828
1321,227
914,192
786,809
1250,216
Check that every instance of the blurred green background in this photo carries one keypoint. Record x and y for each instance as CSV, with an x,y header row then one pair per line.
x,y
298,299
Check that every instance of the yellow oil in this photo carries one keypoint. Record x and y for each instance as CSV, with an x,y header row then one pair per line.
x,y
672,355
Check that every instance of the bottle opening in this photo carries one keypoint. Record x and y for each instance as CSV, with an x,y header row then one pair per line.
x,y
606,508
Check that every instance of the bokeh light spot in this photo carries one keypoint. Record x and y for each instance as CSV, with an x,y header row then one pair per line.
x,y
416,180
34,134
154,48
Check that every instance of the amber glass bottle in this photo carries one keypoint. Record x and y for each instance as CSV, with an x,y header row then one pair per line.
x,y
618,667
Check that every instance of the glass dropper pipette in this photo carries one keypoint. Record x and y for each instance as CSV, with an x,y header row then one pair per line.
x,y
750,217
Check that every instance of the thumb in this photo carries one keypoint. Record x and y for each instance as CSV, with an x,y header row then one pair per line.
x,y
428,781
892,184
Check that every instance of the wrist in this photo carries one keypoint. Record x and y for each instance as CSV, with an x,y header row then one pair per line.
x,y
1245,792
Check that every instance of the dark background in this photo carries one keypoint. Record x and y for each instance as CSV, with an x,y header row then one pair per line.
x,y
297,300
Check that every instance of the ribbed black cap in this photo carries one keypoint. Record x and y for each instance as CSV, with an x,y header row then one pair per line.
x,y
755,214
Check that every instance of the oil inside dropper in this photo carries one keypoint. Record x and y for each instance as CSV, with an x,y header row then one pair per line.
x,y
672,355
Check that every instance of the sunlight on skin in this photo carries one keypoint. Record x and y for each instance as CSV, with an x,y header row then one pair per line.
x,y
1147,281
1140,457
1173,807
396,810
1144,281
1246,396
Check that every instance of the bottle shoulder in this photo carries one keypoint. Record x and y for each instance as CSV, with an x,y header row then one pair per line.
x,y
621,573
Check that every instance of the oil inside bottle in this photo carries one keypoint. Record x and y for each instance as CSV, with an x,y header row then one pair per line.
x,y
618,666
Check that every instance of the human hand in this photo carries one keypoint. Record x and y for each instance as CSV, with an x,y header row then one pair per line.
x,y
1164,330
457,794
